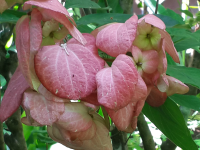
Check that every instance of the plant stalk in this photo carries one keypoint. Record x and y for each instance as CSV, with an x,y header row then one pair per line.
x,y
156,11
145,133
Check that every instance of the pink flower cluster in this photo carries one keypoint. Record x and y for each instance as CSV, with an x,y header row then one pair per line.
x,y
51,73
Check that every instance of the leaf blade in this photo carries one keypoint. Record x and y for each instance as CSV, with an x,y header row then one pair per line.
x,y
169,120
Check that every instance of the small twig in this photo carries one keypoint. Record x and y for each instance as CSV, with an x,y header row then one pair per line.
x,y
156,6
106,4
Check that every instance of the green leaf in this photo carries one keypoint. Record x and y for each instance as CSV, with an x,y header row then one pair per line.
x,y
184,74
170,61
2,81
84,29
11,16
27,131
183,38
81,4
169,120
189,101
31,147
188,13
105,18
152,5
115,5
44,139
40,131
174,15
12,49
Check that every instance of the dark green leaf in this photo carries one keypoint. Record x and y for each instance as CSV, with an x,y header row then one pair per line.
x,y
172,14
39,131
169,120
170,61
31,147
152,5
115,5
2,81
81,4
11,16
188,13
84,29
114,17
44,139
184,74
189,101
103,18
184,39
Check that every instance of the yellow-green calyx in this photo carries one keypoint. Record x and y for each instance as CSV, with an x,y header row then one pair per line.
x,y
148,37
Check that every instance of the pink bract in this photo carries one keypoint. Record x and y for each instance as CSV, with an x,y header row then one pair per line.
x,y
69,71
117,38
153,20
116,84
75,118
156,98
49,96
13,95
26,50
176,86
54,9
123,118
146,61
49,111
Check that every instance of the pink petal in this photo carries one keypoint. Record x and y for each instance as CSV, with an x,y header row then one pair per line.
x,y
117,38
97,30
92,107
176,86
162,66
35,30
151,79
26,121
140,92
101,141
80,136
54,5
13,95
169,46
92,98
23,47
41,110
66,22
54,9
156,98
122,118
75,118
116,85
56,134
49,96
153,20
162,83
35,42
69,73
27,50
150,61
137,54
